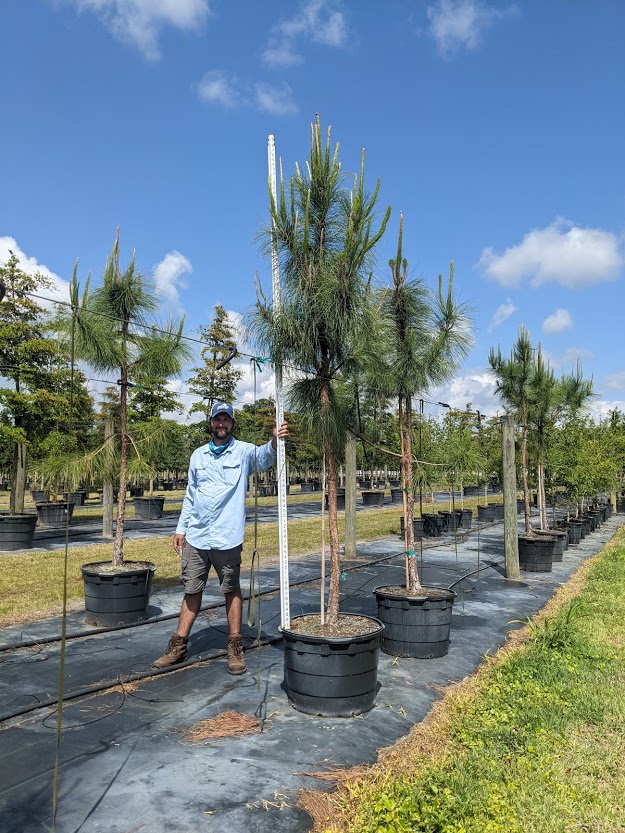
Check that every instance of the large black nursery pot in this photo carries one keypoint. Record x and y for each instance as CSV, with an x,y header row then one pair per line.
x,y
561,542
55,514
340,500
575,532
149,508
373,497
397,494
17,531
486,513
117,596
466,518
38,495
415,624
536,553
417,527
332,676
471,491
77,498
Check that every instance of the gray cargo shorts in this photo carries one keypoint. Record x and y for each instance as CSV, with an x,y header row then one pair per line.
x,y
196,566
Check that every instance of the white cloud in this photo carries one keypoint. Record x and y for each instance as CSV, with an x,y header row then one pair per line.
x,y
475,387
319,21
168,278
502,313
615,381
561,253
599,409
59,291
219,87
216,87
275,99
455,24
560,321
139,22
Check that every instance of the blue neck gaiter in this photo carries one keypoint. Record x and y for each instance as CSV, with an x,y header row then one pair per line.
x,y
219,449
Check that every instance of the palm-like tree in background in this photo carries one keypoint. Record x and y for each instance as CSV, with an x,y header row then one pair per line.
x,y
424,338
114,332
513,377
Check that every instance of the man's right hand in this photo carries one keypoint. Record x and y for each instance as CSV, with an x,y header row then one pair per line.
x,y
178,542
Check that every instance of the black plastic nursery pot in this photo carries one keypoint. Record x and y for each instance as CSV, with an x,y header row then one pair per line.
x,y
38,495
536,553
117,597
486,513
415,625
373,498
149,508
466,518
561,541
17,531
417,526
332,676
575,532
397,494
55,514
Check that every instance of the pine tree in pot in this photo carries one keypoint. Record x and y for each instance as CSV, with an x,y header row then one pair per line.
x,y
425,336
112,331
324,237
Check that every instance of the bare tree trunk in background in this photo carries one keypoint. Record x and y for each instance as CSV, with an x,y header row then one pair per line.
x,y
107,489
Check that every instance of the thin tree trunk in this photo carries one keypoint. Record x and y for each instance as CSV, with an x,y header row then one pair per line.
x,y
350,497
526,493
510,527
407,480
118,543
20,457
335,558
107,488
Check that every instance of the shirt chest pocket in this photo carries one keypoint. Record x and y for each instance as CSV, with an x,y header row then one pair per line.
x,y
231,472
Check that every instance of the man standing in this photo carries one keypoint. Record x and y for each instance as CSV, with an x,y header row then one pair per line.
x,y
211,529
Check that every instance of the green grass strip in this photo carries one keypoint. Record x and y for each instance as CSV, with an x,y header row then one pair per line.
x,y
536,746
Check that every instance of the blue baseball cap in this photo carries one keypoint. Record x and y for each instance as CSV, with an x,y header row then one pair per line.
x,y
222,408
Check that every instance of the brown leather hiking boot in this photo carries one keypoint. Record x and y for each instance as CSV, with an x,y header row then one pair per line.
x,y
236,662
176,652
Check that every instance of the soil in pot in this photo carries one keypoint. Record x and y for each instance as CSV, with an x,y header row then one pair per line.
x,y
417,624
117,595
17,531
332,675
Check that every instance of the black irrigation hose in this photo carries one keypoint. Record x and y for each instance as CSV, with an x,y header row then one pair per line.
x,y
153,620
196,660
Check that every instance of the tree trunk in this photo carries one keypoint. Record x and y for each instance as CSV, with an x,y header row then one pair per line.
x,y
526,492
335,558
350,497
118,543
510,526
107,488
412,578
16,501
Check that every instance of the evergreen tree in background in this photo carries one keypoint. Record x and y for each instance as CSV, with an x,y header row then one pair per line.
x,y
211,382
35,398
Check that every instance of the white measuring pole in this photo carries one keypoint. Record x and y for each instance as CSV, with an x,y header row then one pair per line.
x,y
283,538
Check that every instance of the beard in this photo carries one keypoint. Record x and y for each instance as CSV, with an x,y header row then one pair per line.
x,y
222,435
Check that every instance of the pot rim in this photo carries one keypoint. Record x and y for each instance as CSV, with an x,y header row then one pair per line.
x,y
336,640
91,568
445,592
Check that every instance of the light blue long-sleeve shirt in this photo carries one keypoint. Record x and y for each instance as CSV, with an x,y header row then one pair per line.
x,y
213,510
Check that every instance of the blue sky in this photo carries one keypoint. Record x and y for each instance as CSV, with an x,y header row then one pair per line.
x,y
496,128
